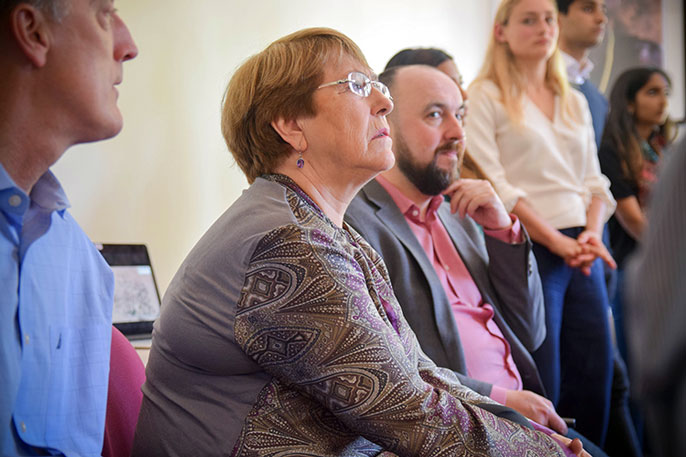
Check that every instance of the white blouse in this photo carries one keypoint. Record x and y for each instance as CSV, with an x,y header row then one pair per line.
x,y
553,165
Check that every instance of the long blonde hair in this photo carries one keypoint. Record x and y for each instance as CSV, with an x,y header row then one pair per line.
x,y
499,67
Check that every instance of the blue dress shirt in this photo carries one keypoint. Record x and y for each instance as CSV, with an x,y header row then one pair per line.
x,y
55,326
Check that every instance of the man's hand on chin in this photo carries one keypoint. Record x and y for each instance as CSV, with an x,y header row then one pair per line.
x,y
477,198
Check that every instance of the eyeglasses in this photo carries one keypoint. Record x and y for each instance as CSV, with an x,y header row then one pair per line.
x,y
360,84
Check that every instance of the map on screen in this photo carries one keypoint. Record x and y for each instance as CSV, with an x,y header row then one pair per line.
x,y
135,296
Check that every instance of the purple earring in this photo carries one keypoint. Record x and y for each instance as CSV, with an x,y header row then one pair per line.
x,y
301,162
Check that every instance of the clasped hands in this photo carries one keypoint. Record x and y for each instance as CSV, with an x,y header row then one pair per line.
x,y
582,251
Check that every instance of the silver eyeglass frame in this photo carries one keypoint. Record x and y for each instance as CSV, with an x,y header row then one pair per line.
x,y
368,85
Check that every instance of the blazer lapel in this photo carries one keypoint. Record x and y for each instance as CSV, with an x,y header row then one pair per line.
x,y
476,264
389,214
473,259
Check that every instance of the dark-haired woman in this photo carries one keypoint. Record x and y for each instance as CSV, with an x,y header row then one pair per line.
x,y
636,132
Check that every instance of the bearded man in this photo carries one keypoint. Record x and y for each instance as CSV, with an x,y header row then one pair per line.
x,y
461,269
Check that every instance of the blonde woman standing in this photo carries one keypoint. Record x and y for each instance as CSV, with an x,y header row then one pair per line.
x,y
532,136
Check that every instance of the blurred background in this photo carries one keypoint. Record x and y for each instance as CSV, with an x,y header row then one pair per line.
x,y
168,175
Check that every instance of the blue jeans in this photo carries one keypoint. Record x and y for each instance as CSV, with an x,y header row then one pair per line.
x,y
617,305
575,359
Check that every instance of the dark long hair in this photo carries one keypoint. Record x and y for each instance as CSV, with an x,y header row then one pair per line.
x,y
620,131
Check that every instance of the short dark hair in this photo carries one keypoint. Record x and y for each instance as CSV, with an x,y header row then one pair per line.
x,y
563,6
432,57
388,77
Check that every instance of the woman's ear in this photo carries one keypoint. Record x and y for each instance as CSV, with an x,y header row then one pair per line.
x,y
499,33
29,27
291,132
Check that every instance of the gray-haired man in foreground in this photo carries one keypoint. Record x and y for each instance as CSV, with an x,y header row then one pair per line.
x,y
61,62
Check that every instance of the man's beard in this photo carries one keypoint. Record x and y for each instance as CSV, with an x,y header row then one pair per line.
x,y
429,179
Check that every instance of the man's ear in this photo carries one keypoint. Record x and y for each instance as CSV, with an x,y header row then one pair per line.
x,y
29,27
291,132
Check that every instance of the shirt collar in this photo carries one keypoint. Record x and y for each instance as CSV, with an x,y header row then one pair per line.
x,y
575,72
407,206
46,193
49,194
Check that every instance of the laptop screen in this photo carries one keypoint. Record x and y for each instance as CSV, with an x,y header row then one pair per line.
x,y
136,299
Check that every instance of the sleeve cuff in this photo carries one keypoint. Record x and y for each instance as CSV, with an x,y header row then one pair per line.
x,y
512,235
600,188
499,394
540,428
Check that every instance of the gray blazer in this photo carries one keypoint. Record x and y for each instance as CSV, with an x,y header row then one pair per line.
x,y
506,275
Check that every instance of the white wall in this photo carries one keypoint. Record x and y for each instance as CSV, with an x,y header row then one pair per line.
x,y
168,175
673,45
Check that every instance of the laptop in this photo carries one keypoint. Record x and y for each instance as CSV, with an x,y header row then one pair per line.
x,y
136,297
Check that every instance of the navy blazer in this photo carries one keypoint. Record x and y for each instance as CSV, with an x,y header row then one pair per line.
x,y
506,275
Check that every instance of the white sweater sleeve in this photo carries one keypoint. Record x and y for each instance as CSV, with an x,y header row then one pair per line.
x,y
596,183
485,113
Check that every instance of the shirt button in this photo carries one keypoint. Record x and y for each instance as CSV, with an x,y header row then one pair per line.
x,y
415,213
447,268
23,427
15,200
27,338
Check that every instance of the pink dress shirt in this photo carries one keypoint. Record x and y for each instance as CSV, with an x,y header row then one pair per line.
x,y
487,352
